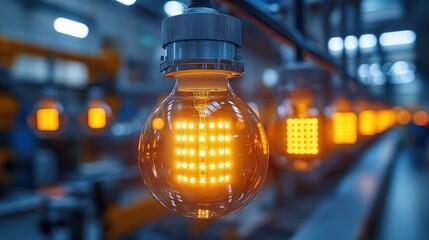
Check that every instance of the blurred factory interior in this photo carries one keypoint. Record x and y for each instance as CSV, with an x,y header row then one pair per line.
x,y
340,87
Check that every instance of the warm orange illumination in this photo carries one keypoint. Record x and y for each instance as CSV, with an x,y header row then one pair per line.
x,y
96,118
203,151
403,116
47,119
345,128
367,122
264,140
421,118
158,123
385,119
302,136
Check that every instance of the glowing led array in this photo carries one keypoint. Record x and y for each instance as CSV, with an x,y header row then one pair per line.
x,y
302,136
203,152
367,122
385,119
47,119
345,128
203,213
96,118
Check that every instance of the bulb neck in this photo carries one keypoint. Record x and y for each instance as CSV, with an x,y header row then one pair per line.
x,y
194,82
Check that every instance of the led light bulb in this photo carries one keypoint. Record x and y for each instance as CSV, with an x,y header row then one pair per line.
x,y
296,133
403,116
48,118
203,152
421,118
367,122
384,120
344,122
96,117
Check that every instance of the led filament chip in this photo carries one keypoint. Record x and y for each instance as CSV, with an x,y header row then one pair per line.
x,y
367,122
302,136
47,119
345,128
202,152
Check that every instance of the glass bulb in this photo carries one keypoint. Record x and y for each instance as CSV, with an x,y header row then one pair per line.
x,y
367,122
96,117
48,118
203,152
296,134
344,122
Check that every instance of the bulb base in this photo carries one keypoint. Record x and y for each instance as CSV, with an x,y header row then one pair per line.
x,y
201,39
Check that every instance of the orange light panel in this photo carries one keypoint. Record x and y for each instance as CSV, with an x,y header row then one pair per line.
x,y
345,128
367,122
96,118
203,152
47,119
302,136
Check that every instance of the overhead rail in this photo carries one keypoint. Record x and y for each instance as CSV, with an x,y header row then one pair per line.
x,y
288,35
106,63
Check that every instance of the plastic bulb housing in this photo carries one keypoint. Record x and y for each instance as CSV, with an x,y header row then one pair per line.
x,y
203,152
48,119
296,135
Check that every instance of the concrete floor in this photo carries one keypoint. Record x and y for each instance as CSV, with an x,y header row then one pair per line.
x,y
406,211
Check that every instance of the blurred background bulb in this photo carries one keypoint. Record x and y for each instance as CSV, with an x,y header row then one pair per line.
x,y
97,115
385,119
296,133
344,122
421,118
203,152
403,116
48,118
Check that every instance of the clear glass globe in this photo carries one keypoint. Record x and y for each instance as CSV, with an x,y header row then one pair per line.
x,y
297,134
203,153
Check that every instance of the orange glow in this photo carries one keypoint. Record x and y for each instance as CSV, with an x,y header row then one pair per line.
x,y
96,118
203,152
385,120
301,165
345,128
47,119
421,118
367,122
264,140
403,116
302,136
157,123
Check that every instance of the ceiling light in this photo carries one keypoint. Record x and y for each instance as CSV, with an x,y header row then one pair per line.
x,y
70,27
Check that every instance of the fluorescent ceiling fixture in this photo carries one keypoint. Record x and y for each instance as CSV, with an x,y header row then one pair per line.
x,y
70,27
173,8
127,2
335,44
351,43
390,39
367,41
